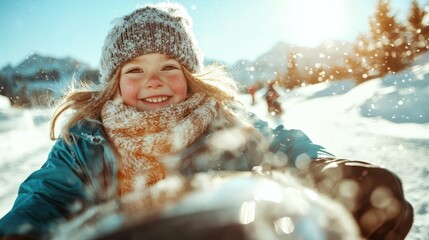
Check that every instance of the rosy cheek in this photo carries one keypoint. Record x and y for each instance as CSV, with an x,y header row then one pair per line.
x,y
128,88
129,92
179,85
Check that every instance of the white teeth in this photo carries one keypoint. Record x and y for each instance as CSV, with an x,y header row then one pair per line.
x,y
156,99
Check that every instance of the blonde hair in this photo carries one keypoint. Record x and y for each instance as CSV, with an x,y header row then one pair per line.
x,y
87,103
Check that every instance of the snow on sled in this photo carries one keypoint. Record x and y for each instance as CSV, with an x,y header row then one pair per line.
x,y
217,205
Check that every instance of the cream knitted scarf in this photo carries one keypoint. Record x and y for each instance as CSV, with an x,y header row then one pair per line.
x,y
142,137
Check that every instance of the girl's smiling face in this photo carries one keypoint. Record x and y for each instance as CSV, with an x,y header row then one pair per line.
x,y
152,81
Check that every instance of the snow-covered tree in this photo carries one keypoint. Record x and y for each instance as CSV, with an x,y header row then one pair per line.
x,y
315,74
361,63
419,30
293,76
389,38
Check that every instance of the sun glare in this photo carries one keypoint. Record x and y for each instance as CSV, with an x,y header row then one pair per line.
x,y
309,22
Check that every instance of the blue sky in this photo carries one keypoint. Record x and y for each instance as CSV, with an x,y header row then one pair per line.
x,y
226,30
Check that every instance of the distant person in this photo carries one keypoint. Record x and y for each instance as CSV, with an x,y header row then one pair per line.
x,y
272,99
156,112
252,90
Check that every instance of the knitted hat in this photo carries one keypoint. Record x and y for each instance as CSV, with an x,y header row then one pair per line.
x,y
161,28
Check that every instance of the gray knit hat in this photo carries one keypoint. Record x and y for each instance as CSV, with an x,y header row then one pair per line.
x,y
161,28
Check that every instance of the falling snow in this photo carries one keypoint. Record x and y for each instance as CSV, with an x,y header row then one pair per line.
x,y
384,121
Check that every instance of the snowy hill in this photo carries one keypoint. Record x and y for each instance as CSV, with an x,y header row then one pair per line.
x,y
384,121
395,134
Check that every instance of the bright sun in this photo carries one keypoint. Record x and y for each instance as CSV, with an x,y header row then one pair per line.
x,y
309,22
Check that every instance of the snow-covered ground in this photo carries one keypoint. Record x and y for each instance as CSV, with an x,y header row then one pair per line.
x,y
384,121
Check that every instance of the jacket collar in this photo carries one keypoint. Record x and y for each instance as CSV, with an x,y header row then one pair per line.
x,y
91,131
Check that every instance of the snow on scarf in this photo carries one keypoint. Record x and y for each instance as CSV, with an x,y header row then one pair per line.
x,y
142,137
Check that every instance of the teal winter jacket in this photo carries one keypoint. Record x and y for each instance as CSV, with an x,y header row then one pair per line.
x,y
84,173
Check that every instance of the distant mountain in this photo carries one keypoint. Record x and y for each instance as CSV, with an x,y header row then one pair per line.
x,y
37,68
41,73
264,67
37,75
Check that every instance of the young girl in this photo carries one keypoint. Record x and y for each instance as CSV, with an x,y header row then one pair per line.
x,y
160,111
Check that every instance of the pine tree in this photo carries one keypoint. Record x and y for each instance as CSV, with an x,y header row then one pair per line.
x,y
293,76
425,23
418,30
315,74
360,65
390,40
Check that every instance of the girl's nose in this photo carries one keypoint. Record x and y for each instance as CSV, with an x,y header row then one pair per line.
x,y
154,82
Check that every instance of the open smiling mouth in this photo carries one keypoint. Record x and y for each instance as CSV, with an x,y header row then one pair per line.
x,y
155,99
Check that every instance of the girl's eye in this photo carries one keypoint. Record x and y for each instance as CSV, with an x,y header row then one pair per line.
x,y
135,70
170,67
